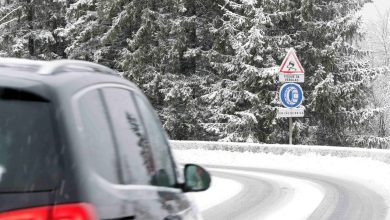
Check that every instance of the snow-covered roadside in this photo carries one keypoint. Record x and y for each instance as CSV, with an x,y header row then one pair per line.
x,y
221,189
373,174
280,149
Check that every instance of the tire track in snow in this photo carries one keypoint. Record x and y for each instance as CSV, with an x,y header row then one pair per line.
x,y
342,200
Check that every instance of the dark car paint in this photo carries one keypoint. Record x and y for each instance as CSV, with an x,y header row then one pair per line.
x,y
77,183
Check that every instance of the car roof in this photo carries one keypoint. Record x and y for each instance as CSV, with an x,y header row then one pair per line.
x,y
61,76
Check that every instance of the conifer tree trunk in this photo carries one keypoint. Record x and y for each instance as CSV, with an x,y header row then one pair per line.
x,y
188,64
30,19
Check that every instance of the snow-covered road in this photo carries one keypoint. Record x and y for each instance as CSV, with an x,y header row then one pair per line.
x,y
275,194
292,187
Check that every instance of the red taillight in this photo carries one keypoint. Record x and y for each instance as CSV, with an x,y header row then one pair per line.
x,y
78,211
41,213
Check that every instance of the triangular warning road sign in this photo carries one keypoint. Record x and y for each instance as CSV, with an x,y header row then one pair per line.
x,y
291,64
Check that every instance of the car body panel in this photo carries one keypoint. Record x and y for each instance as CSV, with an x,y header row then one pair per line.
x,y
77,183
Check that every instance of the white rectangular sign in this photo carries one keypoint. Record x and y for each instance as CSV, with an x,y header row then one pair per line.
x,y
297,78
290,112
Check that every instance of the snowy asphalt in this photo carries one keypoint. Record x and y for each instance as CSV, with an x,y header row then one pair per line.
x,y
260,197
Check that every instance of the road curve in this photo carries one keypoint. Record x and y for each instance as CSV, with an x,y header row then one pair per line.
x,y
343,199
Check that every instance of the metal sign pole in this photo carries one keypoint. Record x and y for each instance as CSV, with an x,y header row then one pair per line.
x,y
290,126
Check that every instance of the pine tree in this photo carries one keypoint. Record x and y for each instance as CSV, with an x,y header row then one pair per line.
x,y
208,65
241,98
323,35
154,41
337,81
83,31
29,29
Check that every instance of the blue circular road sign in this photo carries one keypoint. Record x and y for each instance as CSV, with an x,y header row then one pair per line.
x,y
291,95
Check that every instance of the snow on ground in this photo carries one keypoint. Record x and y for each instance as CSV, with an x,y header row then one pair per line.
x,y
305,197
221,189
373,174
280,149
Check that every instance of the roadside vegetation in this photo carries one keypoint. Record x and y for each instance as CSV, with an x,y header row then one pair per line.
x,y
208,66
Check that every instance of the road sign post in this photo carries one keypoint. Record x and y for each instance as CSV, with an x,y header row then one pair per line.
x,y
291,94
291,97
290,131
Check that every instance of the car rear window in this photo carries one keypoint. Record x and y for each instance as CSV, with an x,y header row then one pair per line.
x,y
28,160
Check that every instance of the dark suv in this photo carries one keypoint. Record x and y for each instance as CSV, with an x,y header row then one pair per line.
x,y
78,142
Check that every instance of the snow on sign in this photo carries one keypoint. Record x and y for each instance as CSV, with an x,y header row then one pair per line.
x,y
291,69
291,95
